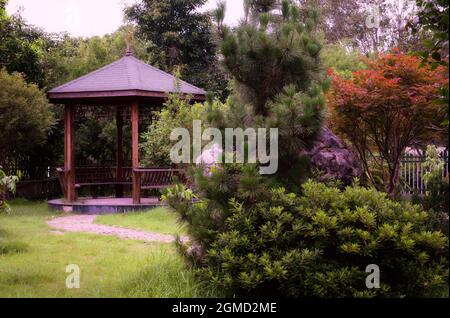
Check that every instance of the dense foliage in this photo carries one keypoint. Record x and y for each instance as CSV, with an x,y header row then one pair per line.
x,y
181,35
156,144
21,47
266,56
271,242
53,59
271,235
342,61
25,117
384,109
267,235
436,198
371,26
178,112
96,140
434,18
68,57
278,79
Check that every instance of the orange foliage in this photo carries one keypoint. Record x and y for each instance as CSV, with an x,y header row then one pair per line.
x,y
385,108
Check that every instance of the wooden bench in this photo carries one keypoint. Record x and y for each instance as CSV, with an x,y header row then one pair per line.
x,y
159,178
150,178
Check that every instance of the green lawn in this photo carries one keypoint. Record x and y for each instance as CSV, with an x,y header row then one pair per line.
x,y
33,260
159,220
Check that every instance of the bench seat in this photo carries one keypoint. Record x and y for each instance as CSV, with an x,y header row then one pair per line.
x,y
149,178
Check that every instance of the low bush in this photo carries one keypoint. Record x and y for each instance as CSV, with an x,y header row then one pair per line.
x,y
7,183
436,199
267,242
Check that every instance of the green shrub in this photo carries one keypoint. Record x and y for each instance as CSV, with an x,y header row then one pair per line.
x,y
435,200
7,183
25,116
177,112
437,186
270,242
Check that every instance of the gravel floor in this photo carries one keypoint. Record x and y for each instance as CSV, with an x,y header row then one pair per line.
x,y
85,224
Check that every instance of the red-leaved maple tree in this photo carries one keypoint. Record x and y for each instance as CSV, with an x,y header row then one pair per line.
x,y
385,108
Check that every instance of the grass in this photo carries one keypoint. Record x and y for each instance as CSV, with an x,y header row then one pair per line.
x,y
34,261
159,220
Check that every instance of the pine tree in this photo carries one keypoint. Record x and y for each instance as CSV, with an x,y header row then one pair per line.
x,y
278,83
279,79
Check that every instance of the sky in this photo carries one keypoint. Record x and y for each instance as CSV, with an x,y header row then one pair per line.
x,y
91,17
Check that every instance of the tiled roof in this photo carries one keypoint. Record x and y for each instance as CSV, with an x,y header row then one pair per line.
x,y
127,74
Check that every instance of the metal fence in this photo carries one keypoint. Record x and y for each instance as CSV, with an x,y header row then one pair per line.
x,y
412,172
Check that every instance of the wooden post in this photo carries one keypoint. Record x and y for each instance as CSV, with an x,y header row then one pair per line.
x,y
136,186
119,154
69,154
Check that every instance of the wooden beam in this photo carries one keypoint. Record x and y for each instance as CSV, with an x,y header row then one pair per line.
x,y
56,98
136,186
69,154
119,153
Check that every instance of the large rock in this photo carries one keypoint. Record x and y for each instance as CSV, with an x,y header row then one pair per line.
x,y
334,159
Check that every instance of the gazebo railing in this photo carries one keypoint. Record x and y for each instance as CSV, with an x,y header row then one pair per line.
x,y
101,175
149,178
159,178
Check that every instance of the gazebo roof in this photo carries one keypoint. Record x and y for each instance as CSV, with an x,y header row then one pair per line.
x,y
125,78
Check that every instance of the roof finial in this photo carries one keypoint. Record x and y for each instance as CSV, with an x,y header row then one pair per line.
x,y
129,51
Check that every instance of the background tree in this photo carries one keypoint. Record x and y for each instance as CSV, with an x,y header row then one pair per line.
x,y
67,57
181,36
20,47
25,117
437,194
342,60
386,108
96,141
392,30
434,17
279,78
176,112
345,21
3,14
339,20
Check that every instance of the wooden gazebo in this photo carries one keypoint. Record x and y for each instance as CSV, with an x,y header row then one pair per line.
x,y
128,89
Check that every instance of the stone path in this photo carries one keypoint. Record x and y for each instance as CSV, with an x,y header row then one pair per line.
x,y
85,224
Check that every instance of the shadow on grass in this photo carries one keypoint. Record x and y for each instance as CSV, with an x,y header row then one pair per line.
x,y
12,247
8,246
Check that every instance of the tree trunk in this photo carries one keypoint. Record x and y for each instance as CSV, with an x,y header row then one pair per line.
x,y
394,179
